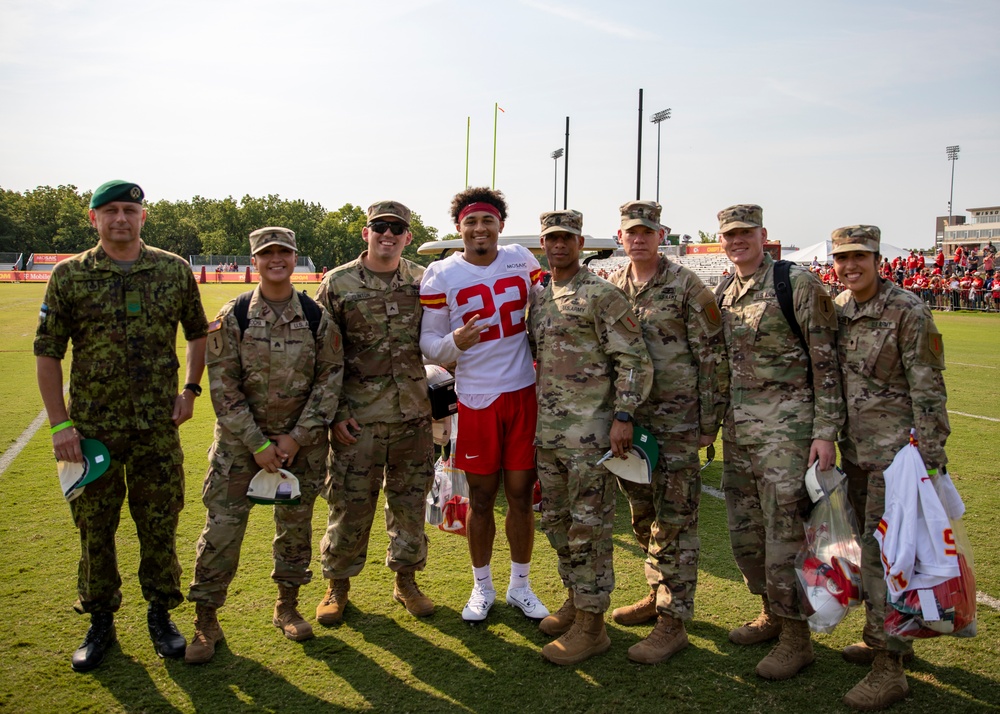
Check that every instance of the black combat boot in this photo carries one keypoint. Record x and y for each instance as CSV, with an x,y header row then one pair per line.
x,y
96,644
167,640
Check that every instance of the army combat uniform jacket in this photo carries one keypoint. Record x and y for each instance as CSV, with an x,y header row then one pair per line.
x,y
123,326
380,325
682,328
891,358
770,397
592,361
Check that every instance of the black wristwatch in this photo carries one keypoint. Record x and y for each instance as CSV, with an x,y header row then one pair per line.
x,y
195,388
623,416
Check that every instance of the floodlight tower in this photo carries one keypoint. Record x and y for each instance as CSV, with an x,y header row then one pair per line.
x,y
556,155
952,152
657,119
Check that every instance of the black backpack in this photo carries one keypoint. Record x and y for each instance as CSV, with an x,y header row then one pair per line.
x,y
312,311
783,291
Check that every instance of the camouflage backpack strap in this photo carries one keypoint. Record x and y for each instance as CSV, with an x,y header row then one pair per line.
x,y
241,310
723,285
312,312
783,291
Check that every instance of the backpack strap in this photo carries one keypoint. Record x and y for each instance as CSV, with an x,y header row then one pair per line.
x,y
312,311
241,309
783,291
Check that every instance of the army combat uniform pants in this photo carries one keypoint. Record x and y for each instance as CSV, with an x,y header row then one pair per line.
x,y
148,467
578,517
225,497
766,504
866,492
665,522
400,456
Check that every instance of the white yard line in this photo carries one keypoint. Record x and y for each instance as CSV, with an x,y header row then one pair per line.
x,y
10,454
981,598
973,416
966,364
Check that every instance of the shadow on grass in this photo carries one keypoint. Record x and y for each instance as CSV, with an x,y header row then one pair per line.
x,y
128,681
231,683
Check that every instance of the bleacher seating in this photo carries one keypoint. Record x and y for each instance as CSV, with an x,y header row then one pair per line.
x,y
707,267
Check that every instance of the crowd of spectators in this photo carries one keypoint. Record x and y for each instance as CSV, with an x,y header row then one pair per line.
x,y
965,282
227,267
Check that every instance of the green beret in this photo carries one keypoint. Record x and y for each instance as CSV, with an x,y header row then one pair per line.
x,y
116,191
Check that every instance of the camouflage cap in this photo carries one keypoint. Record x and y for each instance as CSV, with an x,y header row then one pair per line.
x,y
569,221
742,215
389,209
641,213
116,190
272,235
863,238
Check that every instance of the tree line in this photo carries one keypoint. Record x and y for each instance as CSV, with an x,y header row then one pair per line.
x,y
54,220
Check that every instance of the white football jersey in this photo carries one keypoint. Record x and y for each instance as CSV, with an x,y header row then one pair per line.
x,y
915,534
453,290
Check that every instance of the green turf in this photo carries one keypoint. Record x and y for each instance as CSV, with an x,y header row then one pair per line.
x,y
382,659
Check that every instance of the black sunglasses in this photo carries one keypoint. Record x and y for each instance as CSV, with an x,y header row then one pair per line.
x,y
382,226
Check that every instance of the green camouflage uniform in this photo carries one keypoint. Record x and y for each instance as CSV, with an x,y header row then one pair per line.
x,y
891,358
385,391
682,329
276,379
123,386
591,363
772,417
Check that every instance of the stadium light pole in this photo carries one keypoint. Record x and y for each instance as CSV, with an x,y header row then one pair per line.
x,y
658,119
556,155
952,152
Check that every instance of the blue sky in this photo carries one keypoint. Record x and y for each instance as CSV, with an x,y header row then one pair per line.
x,y
825,113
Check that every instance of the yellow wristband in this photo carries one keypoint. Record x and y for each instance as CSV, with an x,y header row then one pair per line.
x,y
266,444
59,427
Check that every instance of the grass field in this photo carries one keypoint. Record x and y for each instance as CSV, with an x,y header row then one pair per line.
x,y
382,659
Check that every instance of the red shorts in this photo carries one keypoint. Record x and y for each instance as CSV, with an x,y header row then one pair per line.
x,y
500,436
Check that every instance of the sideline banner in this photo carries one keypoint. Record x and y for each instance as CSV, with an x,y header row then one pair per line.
x,y
51,258
21,276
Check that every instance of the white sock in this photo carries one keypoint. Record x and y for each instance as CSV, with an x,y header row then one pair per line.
x,y
484,577
519,574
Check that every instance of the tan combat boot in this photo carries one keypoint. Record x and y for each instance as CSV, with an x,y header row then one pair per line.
x,y
407,592
330,611
559,622
884,686
668,637
766,627
637,613
793,651
861,653
287,617
586,638
207,633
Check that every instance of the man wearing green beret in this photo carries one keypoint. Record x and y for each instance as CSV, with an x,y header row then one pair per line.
x,y
120,303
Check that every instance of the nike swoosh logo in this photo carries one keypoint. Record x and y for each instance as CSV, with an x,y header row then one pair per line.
x,y
472,457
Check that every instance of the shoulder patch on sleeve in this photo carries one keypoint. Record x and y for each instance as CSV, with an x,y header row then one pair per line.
x,y
934,346
706,300
825,312
215,326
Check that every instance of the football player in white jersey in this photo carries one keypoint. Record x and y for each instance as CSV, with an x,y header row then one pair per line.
x,y
474,305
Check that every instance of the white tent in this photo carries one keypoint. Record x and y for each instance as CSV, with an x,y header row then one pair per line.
x,y
821,251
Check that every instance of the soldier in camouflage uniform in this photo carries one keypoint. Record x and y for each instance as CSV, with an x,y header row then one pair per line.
x,y
682,329
382,430
891,359
275,388
593,372
785,409
120,303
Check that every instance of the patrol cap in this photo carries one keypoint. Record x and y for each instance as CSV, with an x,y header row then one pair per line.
x,y
280,487
272,235
742,215
863,238
641,213
74,476
638,464
116,190
569,221
389,209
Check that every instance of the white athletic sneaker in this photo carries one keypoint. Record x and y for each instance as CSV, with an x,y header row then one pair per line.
x,y
527,602
478,607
